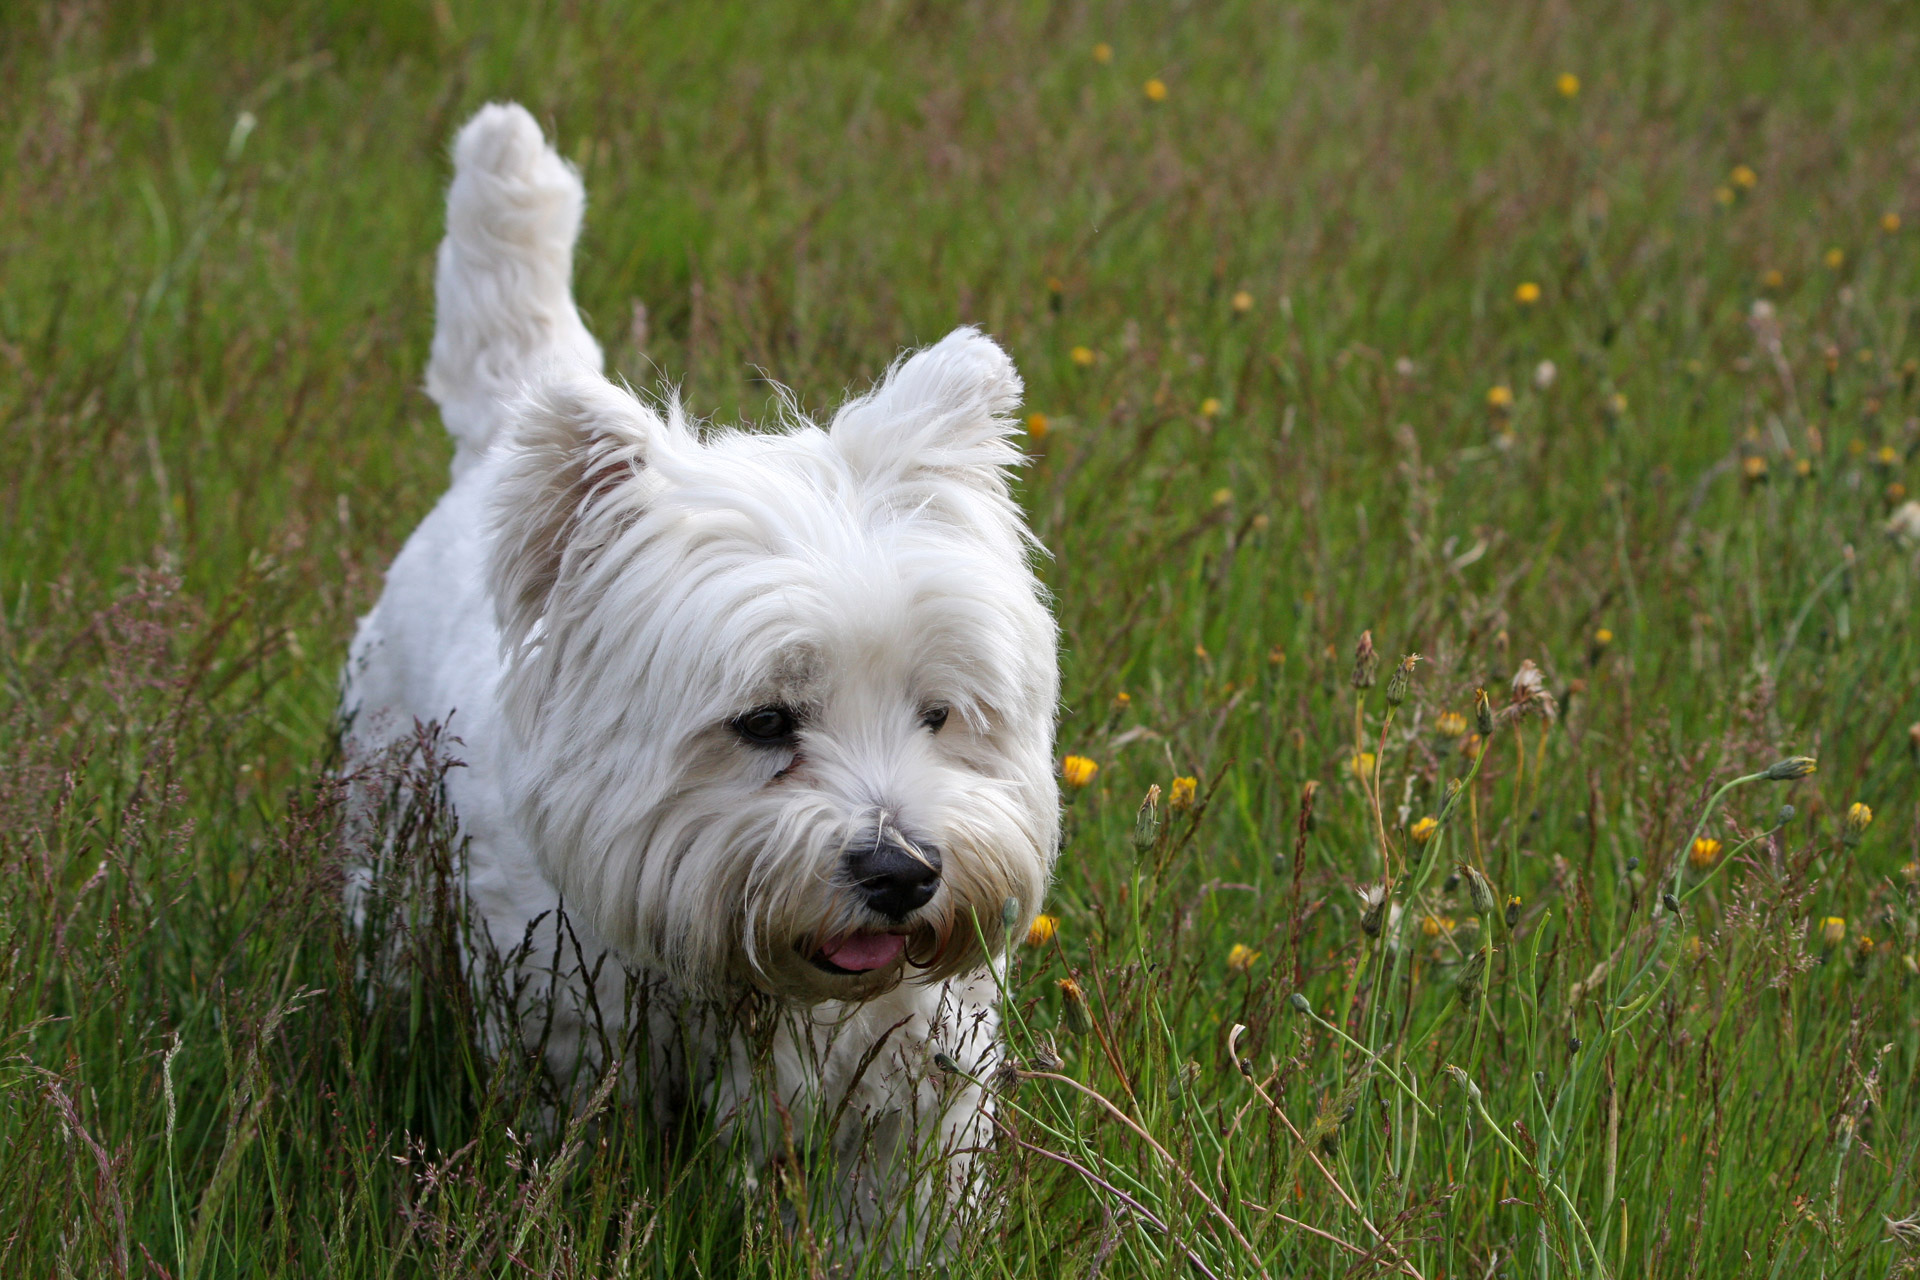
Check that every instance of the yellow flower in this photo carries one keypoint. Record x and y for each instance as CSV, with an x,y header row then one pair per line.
x,y
1803,467
1041,931
1889,222
1222,497
1123,699
1527,293
1078,771
1744,178
1450,724
1074,1014
1859,817
1422,831
1888,455
1754,468
1616,404
1470,746
1568,84
1833,931
1864,945
1835,258
1724,195
1895,492
1210,407
1603,637
1082,356
1155,89
1695,949
1499,397
1037,426
1361,765
1771,278
1181,795
1704,851
1243,301
1103,52
1241,957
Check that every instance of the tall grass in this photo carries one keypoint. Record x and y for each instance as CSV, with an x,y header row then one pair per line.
x,y
1261,320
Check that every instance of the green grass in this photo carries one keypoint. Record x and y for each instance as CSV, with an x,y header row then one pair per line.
x,y
211,342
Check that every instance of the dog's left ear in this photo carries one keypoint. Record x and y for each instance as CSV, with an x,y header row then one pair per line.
x,y
574,479
946,409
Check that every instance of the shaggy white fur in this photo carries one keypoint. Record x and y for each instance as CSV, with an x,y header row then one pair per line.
x,y
768,717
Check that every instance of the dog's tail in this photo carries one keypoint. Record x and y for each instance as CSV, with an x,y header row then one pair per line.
x,y
504,290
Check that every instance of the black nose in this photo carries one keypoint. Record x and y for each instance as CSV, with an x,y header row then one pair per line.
x,y
897,876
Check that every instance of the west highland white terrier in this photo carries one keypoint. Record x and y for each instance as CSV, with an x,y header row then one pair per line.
x,y
765,717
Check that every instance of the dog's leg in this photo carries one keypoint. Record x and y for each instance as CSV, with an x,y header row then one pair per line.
x,y
503,289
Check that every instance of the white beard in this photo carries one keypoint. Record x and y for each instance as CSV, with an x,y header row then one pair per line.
x,y
597,609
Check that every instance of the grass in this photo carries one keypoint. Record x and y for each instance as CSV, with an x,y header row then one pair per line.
x,y
1295,280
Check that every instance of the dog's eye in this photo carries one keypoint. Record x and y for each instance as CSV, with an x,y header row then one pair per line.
x,y
935,718
767,726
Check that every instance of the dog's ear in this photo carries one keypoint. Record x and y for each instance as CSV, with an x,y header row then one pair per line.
x,y
573,480
946,409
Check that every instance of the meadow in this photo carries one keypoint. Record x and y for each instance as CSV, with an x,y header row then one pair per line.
x,y
1573,349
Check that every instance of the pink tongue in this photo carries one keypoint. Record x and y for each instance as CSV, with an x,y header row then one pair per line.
x,y
860,952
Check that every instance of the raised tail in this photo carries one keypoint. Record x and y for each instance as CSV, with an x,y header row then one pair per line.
x,y
503,290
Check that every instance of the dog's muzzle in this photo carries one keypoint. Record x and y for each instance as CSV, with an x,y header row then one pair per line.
x,y
894,874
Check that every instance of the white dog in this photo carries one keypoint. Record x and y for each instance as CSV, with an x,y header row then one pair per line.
x,y
767,717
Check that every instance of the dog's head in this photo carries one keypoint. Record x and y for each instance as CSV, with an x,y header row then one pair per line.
x,y
780,706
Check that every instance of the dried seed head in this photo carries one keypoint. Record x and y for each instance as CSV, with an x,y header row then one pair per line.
x,y
1792,767
1366,663
1047,1058
1373,903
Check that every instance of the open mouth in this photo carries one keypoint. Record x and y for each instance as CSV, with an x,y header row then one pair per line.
x,y
857,953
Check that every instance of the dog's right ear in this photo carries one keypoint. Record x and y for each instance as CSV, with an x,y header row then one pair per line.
x,y
573,481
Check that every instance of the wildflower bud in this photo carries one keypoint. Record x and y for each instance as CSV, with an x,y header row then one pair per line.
x,y
1573,1044
1451,883
1833,931
1633,864
1366,663
1300,1003
1470,983
1482,712
1075,1016
1146,823
1859,818
1465,1081
943,1060
1671,903
1183,1079
1792,767
1513,911
1009,914
1785,815
1401,679
1478,890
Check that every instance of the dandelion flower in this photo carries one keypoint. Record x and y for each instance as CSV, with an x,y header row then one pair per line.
x,y
1078,771
1499,397
1527,293
1835,258
1041,931
1037,426
1243,301
1180,795
1241,957
1470,746
1210,407
1724,195
1889,222
1430,926
1155,89
1833,931
1754,468
1123,699
1703,853
1423,830
1082,356
1222,497
1616,404
1361,764
1103,52
1450,724
1744,177
1772,278
1695,949
1568,84
1075,1016
1859,817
